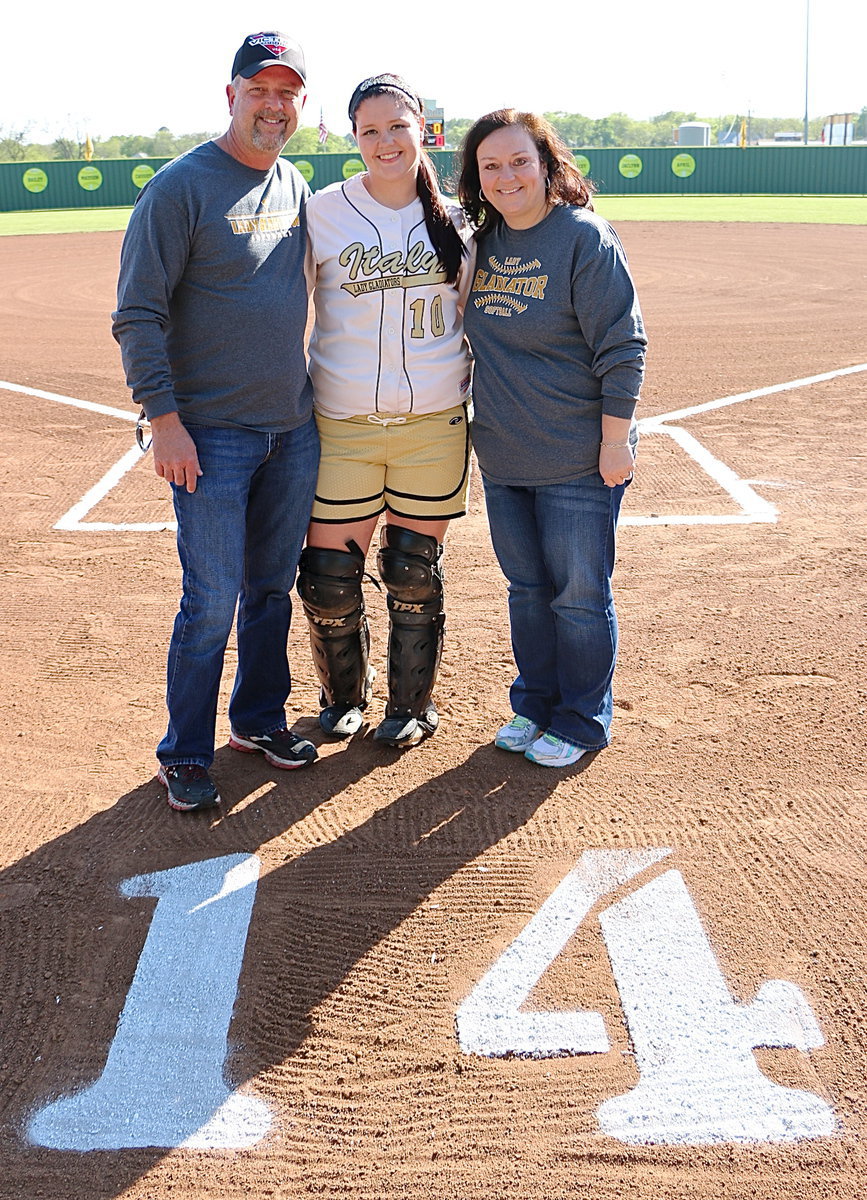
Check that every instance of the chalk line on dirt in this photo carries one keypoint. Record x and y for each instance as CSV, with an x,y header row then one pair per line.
x,y
753,507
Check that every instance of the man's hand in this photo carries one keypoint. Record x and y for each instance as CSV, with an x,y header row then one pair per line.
x,y
175,457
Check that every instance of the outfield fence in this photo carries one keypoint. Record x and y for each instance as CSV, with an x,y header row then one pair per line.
x,y
774,170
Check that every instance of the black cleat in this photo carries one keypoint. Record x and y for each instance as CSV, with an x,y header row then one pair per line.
x,y
403,732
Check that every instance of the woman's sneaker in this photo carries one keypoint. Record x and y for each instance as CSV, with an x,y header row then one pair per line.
x,y
552,751
518,735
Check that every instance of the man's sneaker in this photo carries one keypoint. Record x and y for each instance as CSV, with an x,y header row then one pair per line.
x,y
282,748
518,735
552,751
188,787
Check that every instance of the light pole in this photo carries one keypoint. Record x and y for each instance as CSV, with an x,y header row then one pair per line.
x,y
807,77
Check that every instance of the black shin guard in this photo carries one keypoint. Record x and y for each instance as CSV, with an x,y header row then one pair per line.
x,y
329,584
410,565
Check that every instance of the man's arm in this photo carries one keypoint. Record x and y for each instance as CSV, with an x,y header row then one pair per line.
x,y
154,255
153,259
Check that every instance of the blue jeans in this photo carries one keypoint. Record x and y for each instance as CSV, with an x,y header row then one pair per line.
x,y
240,534
555,545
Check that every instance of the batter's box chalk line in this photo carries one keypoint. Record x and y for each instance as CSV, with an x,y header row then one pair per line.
x,y
752,507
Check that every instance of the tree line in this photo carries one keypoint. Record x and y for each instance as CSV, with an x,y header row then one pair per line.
x,y
619,130
15,147
580,132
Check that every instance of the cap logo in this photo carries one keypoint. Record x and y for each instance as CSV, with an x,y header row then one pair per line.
x,y
271,41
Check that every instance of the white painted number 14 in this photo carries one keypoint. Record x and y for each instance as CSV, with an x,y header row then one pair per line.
x,y
163,1084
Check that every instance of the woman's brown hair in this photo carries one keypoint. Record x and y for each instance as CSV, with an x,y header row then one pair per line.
x,y
565,183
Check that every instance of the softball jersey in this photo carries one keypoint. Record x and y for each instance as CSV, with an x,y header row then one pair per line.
x,y
388,336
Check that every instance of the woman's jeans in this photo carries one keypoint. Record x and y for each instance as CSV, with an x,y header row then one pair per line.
x,y
240,535
555,545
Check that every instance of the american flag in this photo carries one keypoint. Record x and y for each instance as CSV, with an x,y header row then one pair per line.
x,y
323,132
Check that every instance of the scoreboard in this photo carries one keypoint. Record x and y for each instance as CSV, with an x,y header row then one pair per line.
x,y
434,125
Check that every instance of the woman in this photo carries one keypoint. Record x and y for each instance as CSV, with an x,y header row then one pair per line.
x,y
558,339
391,373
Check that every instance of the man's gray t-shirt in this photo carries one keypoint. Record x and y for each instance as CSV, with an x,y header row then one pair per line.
x,y
212,303
556,330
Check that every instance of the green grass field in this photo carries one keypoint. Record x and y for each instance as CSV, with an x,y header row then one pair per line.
x,y
67,220
804,210
812,210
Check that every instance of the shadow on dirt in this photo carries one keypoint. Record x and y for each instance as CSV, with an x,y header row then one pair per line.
x,y
70,941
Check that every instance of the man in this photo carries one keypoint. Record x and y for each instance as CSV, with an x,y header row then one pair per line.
x,y
211,312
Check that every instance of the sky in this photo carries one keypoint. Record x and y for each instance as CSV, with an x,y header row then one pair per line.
x,y
102,68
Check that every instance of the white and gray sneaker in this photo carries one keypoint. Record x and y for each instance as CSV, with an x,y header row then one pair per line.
x,y
552,751
282,748
518,735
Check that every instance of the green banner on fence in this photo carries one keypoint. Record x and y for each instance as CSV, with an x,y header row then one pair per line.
x,y
714,170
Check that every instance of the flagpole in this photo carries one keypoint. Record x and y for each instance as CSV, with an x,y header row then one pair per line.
x,y
807,78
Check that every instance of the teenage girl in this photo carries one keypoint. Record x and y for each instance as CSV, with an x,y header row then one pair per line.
x,y
391,377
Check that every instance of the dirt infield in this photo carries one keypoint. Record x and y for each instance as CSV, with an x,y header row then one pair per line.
x,y
370,1027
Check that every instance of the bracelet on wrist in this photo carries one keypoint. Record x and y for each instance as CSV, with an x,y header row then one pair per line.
x,y
614,445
